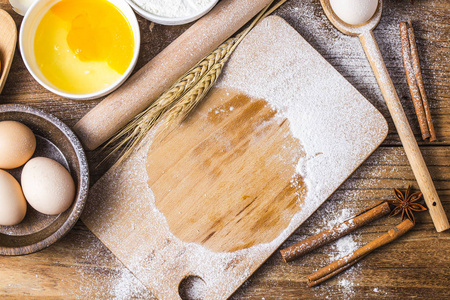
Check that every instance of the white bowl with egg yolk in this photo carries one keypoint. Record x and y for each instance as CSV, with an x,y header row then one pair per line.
x,y
32,19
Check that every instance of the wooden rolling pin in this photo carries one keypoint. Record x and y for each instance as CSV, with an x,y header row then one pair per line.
x,y
155,77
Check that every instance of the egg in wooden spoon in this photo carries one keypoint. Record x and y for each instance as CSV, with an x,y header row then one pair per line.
x,y
364,18
354,12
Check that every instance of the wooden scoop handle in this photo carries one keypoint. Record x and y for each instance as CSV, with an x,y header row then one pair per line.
x,y
8,40
404,131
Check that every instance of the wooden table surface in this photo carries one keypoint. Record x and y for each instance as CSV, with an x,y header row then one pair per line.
x,y
417,265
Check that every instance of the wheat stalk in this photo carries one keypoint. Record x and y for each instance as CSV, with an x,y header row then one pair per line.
x,y
133,133
189,101
182,97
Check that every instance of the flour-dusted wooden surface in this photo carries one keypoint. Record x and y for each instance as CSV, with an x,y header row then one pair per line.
x,y
219,195
417,265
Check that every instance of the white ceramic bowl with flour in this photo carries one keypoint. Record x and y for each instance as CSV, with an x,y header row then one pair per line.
x,y
172,12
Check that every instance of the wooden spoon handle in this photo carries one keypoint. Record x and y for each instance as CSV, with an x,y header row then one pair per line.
x,y
404,131
8,40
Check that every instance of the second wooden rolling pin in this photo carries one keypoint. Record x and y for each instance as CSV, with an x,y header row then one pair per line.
x,y
150,81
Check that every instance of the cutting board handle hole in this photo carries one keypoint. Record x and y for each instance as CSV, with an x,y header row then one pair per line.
x,y
192,288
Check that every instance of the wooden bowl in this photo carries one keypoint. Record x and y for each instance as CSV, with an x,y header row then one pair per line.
x,y
55,140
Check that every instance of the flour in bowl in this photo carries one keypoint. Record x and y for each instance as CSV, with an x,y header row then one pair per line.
x,y
173,8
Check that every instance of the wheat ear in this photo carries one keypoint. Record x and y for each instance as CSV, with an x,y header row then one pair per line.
x,y
183,96
133,133
181,109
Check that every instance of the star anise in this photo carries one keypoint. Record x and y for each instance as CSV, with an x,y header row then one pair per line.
x,y
406,204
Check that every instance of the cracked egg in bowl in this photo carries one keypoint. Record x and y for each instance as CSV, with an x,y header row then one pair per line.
x,y
80,49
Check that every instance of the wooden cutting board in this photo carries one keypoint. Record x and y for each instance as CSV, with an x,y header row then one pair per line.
x,y
198,213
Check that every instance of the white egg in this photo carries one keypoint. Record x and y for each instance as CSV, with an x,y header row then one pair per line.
x,y
13,206
17,144
21,6
47,186
354,12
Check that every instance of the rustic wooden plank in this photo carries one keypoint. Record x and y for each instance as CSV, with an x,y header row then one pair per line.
x,y
224,180
429,19
346,55
79,266
399,269
396,270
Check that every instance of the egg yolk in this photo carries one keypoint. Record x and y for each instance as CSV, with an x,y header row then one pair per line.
x,y
83,46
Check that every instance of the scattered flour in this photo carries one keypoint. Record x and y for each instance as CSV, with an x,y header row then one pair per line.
x,y
344,246
290,78
333,153
116,282
331,213
173,8
346,287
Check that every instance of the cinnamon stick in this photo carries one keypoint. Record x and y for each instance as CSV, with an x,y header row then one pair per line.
x,y
349,260
419,79
329,235
412,83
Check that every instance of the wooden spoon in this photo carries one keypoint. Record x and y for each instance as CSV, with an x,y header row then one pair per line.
x,y
8,40
364,32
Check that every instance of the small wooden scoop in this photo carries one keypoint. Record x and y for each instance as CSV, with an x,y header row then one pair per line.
x,y
8,40
364,32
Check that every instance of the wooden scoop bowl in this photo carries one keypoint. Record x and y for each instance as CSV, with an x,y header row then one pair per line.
x,y
364,32
8,40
